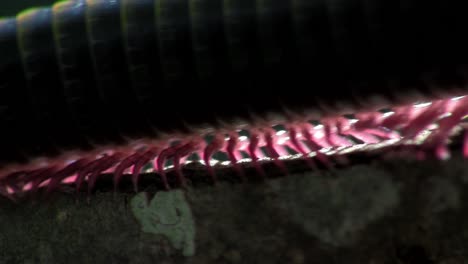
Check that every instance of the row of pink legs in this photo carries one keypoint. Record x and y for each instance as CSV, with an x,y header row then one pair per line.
x,y
404,124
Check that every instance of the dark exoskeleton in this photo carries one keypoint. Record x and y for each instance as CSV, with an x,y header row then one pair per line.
x,y
102,71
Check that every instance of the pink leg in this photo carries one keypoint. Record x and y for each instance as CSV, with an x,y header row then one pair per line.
x,y
400,118
270,145
313,146
216,145
179,154
39,176
123,165
423,120
160,162
332,136
298,147
147,157
252,149
105,165
231,149
64,173
16,182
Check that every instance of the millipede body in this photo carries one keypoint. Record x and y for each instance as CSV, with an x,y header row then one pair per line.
x,y
94,86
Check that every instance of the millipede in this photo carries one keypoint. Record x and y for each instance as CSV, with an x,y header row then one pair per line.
x,y
126,87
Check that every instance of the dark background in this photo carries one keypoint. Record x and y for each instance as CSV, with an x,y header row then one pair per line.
x,y
11,7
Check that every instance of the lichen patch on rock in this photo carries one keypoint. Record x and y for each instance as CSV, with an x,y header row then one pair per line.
x,y
167,214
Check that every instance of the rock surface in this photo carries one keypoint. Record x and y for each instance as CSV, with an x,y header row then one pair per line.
x,y
383,212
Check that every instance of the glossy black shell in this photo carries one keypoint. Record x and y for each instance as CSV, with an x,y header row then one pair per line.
x,y
96,71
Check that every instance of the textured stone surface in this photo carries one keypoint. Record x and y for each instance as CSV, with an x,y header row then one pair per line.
x,y
384,212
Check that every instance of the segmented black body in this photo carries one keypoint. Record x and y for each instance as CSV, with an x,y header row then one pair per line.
x,y
95,71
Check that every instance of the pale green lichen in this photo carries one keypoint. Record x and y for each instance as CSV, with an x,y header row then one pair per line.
x,y
168,214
